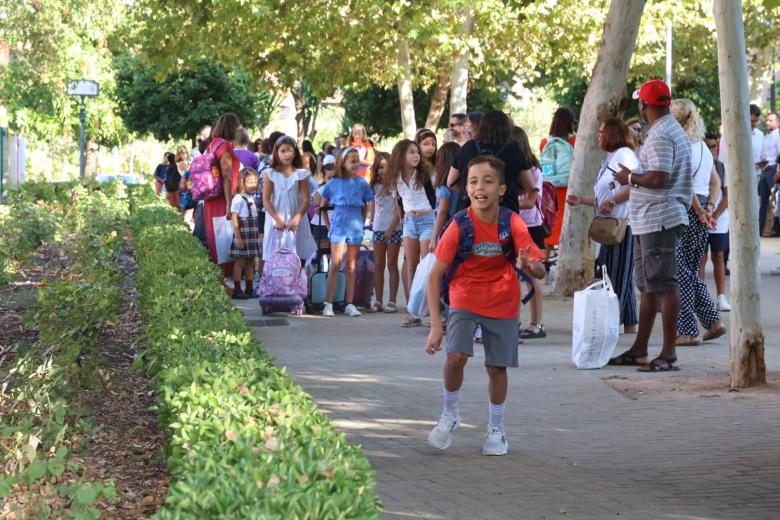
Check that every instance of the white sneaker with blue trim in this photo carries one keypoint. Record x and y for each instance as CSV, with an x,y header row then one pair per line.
x,y
441,435
495,442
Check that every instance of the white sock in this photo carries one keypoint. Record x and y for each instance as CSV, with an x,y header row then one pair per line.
x,y
496,416
451,403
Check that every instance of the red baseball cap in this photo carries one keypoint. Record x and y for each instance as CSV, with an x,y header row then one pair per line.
x,y
654,92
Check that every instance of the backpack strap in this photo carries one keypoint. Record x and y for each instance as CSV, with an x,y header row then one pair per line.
x,y
508,248
465,244
248,205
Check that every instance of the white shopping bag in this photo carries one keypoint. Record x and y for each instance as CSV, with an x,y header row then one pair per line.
x,y
223,237
418,295
596,324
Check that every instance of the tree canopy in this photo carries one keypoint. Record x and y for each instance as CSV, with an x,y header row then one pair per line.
x,y
179,105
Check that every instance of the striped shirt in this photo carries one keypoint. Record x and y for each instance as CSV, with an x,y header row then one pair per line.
x,y
666,149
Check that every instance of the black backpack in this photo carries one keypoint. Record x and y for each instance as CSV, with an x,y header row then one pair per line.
x,y
172,178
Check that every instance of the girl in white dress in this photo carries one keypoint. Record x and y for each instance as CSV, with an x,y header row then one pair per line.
x,y
286,201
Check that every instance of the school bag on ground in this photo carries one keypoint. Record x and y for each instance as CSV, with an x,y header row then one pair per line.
x,y
364,278
466,242
205,175
595,324
556,161
283,284
548,207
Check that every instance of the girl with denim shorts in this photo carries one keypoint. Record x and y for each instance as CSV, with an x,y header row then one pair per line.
x,y
350,195
417,200
385,221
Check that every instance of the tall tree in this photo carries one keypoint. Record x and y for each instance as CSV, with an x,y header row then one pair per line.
x,y
606,92
460,66
747,338
178,106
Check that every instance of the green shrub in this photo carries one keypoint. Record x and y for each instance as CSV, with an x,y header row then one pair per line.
x,y
40,390
243,440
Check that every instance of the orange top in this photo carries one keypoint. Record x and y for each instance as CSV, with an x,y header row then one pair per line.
x,y
486,284
570,139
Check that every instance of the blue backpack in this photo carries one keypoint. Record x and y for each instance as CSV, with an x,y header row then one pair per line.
x,y
466,242
556,161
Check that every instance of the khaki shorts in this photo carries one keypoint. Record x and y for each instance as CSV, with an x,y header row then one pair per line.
x,y
499,337
655,260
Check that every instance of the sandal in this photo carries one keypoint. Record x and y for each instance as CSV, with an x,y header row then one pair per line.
x,y
717,330
660,364
687,341
376,307
530,334
391,308
626,359
411,321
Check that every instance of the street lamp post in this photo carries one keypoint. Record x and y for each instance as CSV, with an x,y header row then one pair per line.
x,y
83,88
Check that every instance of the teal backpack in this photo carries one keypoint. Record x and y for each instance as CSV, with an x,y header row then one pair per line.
x,y
556,161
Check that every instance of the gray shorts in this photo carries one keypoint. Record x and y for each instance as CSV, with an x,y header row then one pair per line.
x,y
499,337
655,260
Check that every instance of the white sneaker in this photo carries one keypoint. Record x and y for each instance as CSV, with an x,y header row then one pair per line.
x,y
495,442
478,334
328,310
352,311
441,435
723,303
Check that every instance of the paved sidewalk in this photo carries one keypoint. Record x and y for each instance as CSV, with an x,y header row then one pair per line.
x,y
611,443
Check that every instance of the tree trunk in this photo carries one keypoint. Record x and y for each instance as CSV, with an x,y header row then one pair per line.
x,y
405,93
313,131
747,338
603,99
438,101
460,67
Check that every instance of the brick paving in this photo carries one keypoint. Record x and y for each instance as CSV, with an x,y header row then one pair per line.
x,y
579,448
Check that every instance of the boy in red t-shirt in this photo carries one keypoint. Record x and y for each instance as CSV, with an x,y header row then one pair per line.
x,y
484,291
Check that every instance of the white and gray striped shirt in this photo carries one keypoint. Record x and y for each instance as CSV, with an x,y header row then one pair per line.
x,y
666,149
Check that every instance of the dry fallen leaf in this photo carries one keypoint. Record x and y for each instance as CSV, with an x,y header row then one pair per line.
x,y
327,473
272,444
259,484
273,481
303,480
231,436
243,389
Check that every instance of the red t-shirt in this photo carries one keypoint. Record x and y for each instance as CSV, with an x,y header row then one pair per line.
x,y
486,284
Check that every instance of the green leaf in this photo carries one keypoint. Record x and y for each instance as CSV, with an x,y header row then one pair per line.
x,y
36,470
5,488
86,495
56,467
109,491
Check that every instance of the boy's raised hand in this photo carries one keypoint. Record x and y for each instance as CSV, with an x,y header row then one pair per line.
x,y
433,345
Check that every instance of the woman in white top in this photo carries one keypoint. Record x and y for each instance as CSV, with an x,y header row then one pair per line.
x,y
695,299
412,177
611,200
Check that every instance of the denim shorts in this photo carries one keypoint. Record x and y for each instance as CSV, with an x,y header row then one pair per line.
x,y
419,228
346,226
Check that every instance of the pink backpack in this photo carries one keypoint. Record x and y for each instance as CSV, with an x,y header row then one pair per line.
x,y
205,175
283,275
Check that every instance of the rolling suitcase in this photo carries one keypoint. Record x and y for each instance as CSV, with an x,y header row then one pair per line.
x,y
364,278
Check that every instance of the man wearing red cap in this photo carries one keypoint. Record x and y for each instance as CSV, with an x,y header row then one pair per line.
x,y
661,191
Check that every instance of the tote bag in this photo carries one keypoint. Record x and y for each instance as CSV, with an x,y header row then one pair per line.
x,y
596,324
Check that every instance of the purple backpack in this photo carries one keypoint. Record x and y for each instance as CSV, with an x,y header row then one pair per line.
x,y
205,175
283,275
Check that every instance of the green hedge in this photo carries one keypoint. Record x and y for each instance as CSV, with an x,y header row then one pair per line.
x,y
243,440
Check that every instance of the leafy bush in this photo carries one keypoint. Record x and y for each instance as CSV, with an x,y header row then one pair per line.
x,y
40,415
244,440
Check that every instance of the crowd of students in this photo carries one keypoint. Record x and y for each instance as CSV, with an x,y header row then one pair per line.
x,y
478,203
